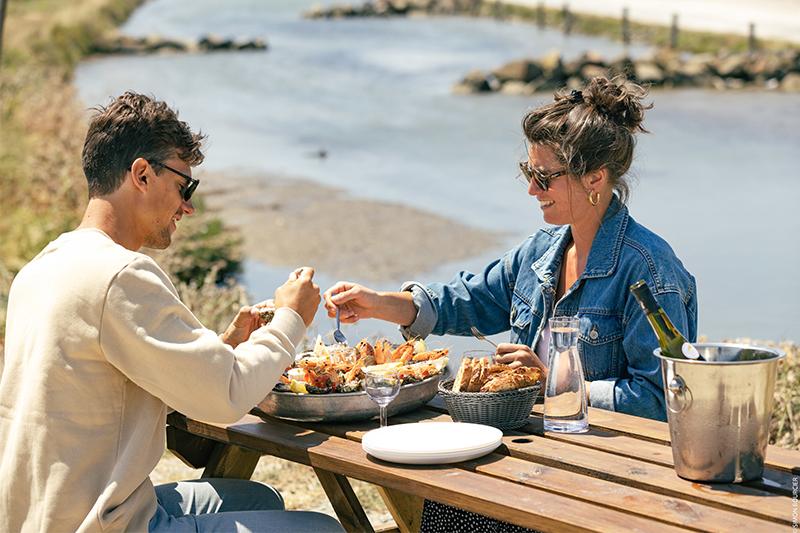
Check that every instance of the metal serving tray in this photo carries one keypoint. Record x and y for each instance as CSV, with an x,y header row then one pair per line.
x,y
347,406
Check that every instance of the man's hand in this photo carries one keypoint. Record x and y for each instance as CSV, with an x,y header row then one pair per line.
x,y
518,355
299,293
247,320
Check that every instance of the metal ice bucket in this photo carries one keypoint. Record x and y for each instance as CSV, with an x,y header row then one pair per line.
x,y
719,410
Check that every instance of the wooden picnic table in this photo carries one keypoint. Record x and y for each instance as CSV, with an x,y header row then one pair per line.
x,y
617,477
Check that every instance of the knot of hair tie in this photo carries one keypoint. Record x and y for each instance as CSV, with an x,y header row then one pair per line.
x,y
576,96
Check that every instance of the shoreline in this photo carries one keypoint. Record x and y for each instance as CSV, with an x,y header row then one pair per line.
x,y
288,222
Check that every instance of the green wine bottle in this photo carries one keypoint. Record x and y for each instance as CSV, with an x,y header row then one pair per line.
x,y
672,343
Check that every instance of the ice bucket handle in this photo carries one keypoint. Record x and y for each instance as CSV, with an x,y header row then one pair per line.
x,y
679,397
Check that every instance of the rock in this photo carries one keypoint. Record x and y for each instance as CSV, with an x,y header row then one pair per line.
x,y
214,42
574,83
622,66
316,12
768,65
155,43
399,7
443,7
718,83
517,88
593,71
250,44
553,67
669,61
647,72
734,83
474,82
694,66
523,70
381,8
791,82
733,66
588,58
494,83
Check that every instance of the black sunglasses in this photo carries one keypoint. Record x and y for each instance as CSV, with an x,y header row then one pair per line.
x,y
187,190
542,180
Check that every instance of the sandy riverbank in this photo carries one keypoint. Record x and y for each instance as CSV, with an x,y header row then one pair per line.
x,y
290,222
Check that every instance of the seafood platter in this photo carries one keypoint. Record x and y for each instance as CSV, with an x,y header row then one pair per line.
x,y
327,384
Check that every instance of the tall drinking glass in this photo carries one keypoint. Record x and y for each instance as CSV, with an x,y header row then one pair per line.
x,y
382,387
565,408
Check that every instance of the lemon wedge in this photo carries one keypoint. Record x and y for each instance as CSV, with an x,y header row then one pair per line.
x,y
298,387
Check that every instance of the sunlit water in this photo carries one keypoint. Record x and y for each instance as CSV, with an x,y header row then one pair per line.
x,y
717,177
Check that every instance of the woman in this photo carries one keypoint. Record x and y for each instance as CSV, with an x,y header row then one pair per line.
x,y
579,150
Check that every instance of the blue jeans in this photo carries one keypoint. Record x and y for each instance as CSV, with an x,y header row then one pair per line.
x,y
229,505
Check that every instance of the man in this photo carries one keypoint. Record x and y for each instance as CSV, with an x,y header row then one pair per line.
x,y
98,345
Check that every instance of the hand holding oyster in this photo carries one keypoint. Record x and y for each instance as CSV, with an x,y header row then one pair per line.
x,y
266,310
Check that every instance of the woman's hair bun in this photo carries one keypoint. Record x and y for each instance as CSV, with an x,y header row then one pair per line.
x,y
618,99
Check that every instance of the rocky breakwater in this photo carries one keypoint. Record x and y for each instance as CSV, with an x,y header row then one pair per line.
x,y
152,44
664,68
388,8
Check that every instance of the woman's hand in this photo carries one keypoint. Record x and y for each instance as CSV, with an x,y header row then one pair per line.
x,y
518,355
356,302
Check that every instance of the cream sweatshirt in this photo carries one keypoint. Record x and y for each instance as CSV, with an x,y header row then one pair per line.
x,y
97,346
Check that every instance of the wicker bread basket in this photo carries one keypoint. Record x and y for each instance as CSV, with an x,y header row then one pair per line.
x,y
503,410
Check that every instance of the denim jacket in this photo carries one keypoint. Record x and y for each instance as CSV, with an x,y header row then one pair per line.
x,y
517,293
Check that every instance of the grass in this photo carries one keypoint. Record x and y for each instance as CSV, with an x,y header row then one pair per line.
x,y
785,423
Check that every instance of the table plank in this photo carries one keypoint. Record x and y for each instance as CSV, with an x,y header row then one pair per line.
x,y
653,430
691,515
519,504
274,438
649,477
773,480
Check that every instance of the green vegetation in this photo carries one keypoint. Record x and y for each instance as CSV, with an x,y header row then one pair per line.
x,y
785,423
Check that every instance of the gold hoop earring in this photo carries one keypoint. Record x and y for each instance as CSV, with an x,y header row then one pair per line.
x,y
594,199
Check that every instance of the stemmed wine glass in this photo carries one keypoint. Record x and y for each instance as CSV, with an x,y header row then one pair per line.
x,y
382,387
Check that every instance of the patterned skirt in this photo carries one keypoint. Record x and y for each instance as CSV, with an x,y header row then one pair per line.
x,y
441,518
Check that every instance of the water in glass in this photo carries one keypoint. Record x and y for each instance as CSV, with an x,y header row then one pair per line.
x,y
382,387
565,408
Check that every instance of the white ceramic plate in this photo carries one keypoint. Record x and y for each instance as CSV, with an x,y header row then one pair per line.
x,y
428,443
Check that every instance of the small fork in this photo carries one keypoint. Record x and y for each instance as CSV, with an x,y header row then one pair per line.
x,y
338,336
478,335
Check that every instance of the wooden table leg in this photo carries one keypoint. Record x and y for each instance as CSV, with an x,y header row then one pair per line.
x,y
344,501
229,460
193,450
406,509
